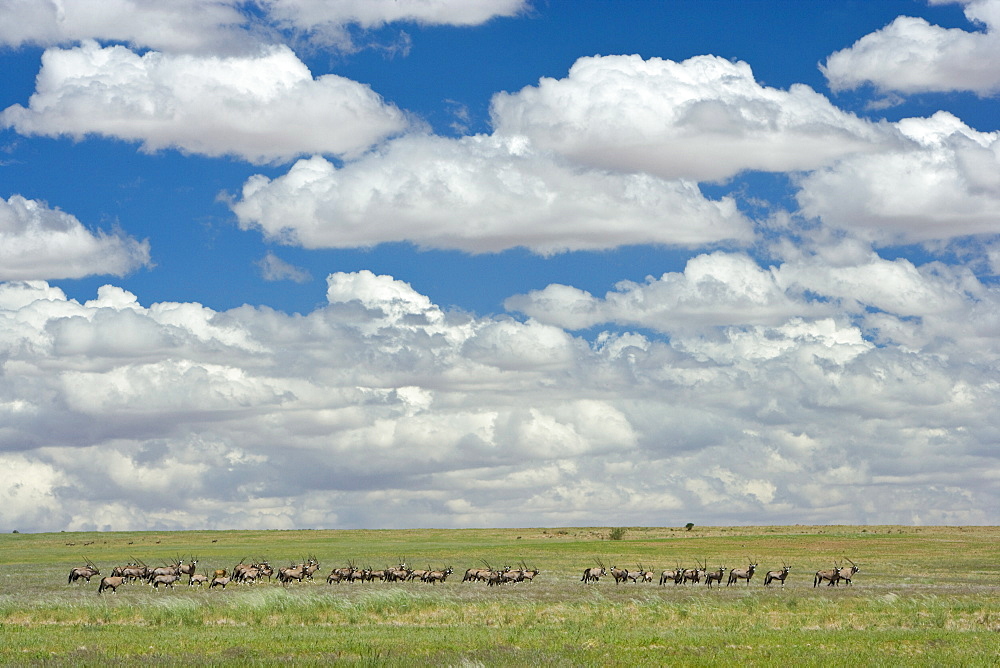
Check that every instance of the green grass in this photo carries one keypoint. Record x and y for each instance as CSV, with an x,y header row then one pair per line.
x,y
924,596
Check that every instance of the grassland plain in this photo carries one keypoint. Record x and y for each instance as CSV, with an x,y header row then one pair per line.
x,y
925,596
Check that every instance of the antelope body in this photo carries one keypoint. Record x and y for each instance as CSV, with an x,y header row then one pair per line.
x,y
830,575
692,575
780,576
437,576
476,574
715,576
187,570
165,580
83,573
671,576
111,582
742,574
847,572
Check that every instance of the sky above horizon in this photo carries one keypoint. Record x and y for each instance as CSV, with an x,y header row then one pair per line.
x,y
339,264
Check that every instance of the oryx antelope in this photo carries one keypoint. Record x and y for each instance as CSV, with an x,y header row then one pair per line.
x,y
173,569
476,574
780,576
248,573
594,573
672,576
188,569
497,578
742,573
197,579
137,571
513,576
641,574
397,573
289,573
311,567
83,573
693,574
437,576
111,582
847,572
715,576
830,575
165,580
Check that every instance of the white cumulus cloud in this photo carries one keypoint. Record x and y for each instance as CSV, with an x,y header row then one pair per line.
x,y
911,55
705,118
326,21
943,182
395,412
183,25
39,242
263,107
480,194
221,26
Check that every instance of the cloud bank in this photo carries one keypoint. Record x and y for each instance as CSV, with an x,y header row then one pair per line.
x,y
381,409
225,26
792,369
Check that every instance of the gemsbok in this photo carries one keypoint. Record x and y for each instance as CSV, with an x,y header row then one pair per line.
x,y
111,582
694,574
83,573
742,573
438,576
165,580
715,576
672,576
594,573
831,576
619,574
780,576
197,579
847,572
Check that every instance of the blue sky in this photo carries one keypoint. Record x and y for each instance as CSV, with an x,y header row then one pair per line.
x,y
635,255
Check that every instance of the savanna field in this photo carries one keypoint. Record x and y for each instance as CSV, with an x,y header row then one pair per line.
x,y
922,596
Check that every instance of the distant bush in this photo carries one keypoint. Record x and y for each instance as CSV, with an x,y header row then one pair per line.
x,y
617,533
689,526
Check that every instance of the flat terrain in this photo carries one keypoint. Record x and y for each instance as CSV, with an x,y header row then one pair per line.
x,y
923,596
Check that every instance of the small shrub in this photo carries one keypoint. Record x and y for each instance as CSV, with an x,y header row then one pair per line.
x,y
617,533
689,526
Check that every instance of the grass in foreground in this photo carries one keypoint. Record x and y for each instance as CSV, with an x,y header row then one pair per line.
x,y
924,596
